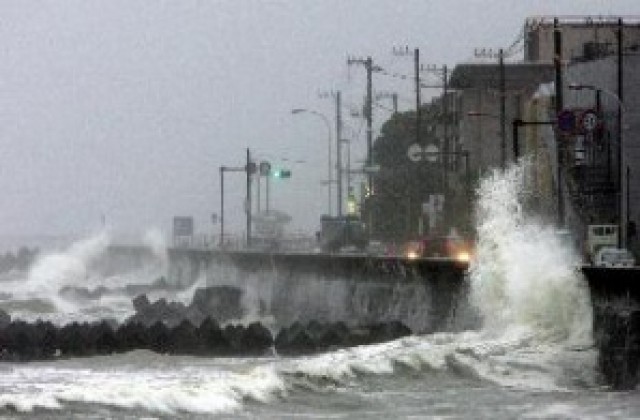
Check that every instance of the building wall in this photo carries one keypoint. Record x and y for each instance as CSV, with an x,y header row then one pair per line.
x,y
575,33
480,134
603,75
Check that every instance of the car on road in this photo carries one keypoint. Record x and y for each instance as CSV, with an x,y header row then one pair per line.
x,y
614,258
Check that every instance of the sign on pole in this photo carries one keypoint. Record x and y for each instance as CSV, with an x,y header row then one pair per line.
x,y
589,120
414,152
566,121
417,153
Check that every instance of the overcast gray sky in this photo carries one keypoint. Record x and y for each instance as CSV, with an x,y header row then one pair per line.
x,y
127,108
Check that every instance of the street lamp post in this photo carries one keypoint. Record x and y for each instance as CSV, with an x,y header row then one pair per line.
x,y
330,163
623,213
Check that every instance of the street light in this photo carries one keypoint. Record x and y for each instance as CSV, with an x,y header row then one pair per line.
x,y
329,171
623,191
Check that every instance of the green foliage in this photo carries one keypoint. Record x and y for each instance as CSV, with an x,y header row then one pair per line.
x,y
402,186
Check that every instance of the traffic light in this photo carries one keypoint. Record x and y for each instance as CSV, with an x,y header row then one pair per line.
x,y
265,168
282,173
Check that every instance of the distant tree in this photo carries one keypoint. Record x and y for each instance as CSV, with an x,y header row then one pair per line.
x,y
402,186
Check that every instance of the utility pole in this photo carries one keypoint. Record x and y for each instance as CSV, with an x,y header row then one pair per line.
x,y
503,94
445,117
622,214
369,68
248,204
442,72
337,96
267,186
416,59
259,182
416,62
222,169
368,64
368,111
339,151
557,46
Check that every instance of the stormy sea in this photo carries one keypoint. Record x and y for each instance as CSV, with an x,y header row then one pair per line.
x,y
530,355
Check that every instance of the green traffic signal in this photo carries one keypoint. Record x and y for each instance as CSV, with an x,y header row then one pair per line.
x,y
282,173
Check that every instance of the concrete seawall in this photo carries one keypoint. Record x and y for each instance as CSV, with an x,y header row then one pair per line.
x,y
428,295
424,294
615,295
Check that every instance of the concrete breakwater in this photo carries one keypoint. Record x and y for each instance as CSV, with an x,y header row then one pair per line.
x,y
615,295
357,289
427,295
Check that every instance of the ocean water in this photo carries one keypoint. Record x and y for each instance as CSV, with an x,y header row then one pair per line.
x,y
533,356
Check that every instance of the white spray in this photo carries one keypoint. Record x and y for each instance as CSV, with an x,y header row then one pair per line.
x,y
71,267
524,276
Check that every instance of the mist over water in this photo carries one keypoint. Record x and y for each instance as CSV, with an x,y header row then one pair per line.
x,y
46,290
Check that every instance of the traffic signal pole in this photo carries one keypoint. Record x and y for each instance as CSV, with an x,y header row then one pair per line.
x,y
557,46
339,152
222,169
248,202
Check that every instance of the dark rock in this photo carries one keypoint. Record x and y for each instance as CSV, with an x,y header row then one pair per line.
x,y
5,319
132,336
212,337
104,338
256,339
47,339
74,340
233,335
159,337
295,340
315,336
334,335
19,340
220,302
184,339
387,331
171,313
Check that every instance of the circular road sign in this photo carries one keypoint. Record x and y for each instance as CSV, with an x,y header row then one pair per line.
x,y
414,152
431,153
566,121
589,120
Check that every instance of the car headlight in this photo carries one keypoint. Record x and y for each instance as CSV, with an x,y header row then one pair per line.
x,y
412,255
463,256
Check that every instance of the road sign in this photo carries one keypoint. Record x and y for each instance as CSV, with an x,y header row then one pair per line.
x,y
251,168
566,121
182,226
265,168
417,153
414,152
589,120
431,153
